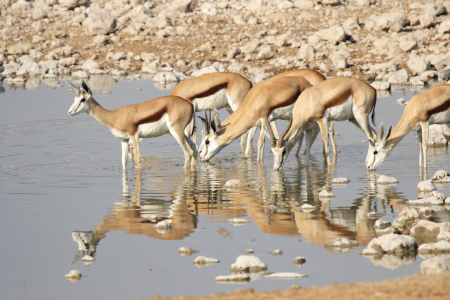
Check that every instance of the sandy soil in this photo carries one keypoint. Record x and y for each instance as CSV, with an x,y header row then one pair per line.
x,y
414,287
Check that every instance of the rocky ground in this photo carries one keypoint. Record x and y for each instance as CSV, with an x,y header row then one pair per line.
x,y
400,42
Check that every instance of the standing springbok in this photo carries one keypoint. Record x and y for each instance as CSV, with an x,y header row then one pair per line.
x,y
215,91
313,77
336,99
152,118
423,110
274,100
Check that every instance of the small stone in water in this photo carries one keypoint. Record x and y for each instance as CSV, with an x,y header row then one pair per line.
x,y
201,260
286,275
340,180
276,252
186,251
223,232
248,263
325,194
300,260
233,278
383,179
73,274
238,221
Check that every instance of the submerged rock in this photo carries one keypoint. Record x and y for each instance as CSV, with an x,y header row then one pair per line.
x,y
325,194
73,275
427,201
307,207
391,261
382,224
434,266
236,221
276,252
234,184
441,174
248,263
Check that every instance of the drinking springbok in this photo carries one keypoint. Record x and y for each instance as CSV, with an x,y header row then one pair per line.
x,y
423,110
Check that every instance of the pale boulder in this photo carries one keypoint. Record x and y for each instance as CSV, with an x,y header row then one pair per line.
x,y
434,266
406,219
101,21
393,243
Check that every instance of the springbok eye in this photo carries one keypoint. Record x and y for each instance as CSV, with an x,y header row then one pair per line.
x,y
284,151
82,99
375,152
207,142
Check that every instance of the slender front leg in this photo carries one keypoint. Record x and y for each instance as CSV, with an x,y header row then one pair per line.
x,y
333,138
324,132
137,153
419,144
424,142
250,135
261,144
309,135
124,154
300,142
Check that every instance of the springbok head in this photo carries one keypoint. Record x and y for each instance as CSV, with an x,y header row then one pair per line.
x,y
80,103
377,150
279,146
211,131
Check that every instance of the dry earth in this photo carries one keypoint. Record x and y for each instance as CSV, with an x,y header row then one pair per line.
x,y
415,287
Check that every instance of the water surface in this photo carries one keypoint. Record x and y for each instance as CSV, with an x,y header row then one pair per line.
x,y
64,195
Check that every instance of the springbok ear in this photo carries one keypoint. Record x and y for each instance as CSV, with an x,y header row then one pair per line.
x,y
388,134
86,88
72,86
380,133
215,122
205,125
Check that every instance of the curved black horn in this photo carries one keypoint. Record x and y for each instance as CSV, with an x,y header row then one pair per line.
x,y
273,140
281,139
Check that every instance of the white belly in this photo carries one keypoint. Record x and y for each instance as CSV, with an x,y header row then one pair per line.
x,y
154,129
217,100
440,118
341,112
283,113
119,134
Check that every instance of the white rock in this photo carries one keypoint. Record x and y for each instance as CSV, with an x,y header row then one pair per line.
x,y
444,235
285,275
164,224
334,34
186,251
444,27
438,134
183,5
417,64
233,278
428,228
406,219
248,263
265,52
427,201
382,224
325,194
434,266
369,251
399,77
306,52
73,274
101,21
438,247
87,258
71,4
441,174
340,180
209,8
201,260
393,243
236,68
426,186
206,70
234,184
427,20
381,85
299,260
383,179
90,64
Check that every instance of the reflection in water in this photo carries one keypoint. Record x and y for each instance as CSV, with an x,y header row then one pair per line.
x,y
273,202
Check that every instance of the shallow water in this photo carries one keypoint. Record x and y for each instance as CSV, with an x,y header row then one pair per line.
x,y
64,195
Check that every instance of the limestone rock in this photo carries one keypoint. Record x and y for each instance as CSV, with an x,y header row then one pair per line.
x,y
233,278
325,194
306,52
405,220
334,34
183,5
438,135
381,85
426,186
90,64
234,184
417,65
206,70
393,243
340,180
201,260
266,52
71,4
186,251
399,77
165,77
441,174
248,263
428,228
381,224
340,242
442,246
285,275
101,21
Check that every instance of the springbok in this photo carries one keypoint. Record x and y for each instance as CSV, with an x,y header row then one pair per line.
x,y
423,110
274,100
313,77
215,91
152,118
336,99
